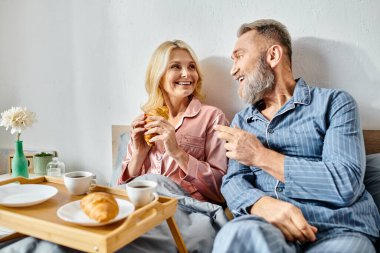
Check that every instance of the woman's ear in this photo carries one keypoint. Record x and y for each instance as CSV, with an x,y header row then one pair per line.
x,y
274,55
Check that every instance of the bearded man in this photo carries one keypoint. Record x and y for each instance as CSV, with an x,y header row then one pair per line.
x,y
296,158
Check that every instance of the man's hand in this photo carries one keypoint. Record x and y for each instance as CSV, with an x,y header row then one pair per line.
x,y
286,217
247,149
240,145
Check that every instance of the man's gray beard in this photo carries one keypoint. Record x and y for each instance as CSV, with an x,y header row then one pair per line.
x,y
258,82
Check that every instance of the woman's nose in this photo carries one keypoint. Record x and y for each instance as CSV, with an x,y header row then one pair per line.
x,y
184,72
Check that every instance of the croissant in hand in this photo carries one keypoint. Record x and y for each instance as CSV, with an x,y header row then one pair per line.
x,y
162,111
100,206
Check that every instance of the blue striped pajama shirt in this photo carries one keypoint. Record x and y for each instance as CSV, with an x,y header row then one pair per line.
x,y
318,130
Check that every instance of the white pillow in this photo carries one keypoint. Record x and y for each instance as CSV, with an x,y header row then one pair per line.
x,y
121,153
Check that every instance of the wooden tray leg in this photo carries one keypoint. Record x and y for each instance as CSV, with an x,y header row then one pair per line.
x,y
12,236
176,235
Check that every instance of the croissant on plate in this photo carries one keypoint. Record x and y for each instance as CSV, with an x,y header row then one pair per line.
x,y
162,111
100,206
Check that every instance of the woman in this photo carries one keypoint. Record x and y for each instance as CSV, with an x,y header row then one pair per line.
x,y
186,148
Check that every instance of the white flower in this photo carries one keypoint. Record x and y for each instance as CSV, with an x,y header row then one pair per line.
x,y
18,119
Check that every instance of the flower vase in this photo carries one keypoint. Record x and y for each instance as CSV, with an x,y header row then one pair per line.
x,y
19,162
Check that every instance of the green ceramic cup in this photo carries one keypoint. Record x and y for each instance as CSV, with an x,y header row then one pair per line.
x,y
40,162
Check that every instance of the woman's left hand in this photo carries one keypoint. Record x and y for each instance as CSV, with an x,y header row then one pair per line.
x,y
165,133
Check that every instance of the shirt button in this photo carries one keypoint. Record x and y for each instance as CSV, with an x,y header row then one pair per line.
x,y
270,130
279,189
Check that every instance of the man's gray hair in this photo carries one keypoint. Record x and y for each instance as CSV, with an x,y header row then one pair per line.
x,y
271,30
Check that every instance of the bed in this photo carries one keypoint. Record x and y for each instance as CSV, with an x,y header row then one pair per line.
x,y
372,176
372,147
372,141
120,137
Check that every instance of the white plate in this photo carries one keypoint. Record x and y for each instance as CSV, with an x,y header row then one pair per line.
x,y
18,195
71,212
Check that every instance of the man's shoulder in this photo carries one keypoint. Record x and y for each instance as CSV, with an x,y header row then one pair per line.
x,y
242,115
330,94
247,111
321,92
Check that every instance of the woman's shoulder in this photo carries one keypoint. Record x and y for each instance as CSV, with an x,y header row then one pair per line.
x,y
206,113
213,115
209,109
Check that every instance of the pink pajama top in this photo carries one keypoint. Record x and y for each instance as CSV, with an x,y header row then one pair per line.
x,y
207,156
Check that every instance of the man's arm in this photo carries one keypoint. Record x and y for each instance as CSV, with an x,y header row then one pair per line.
x,y
243,198
337,178
248,150
238,188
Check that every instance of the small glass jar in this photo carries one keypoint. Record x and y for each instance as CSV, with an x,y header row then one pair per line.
x,y
55,168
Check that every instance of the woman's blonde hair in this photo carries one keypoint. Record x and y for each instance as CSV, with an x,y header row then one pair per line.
x,y
157,68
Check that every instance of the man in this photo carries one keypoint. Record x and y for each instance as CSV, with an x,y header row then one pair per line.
x,y
296,168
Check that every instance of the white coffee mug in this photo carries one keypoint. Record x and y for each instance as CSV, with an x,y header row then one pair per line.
x,y
79,182
141,192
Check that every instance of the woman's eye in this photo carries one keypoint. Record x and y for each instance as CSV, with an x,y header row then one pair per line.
x,y
192,67
175,66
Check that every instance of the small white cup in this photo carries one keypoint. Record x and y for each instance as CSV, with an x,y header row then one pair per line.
x,y
78,182
141,192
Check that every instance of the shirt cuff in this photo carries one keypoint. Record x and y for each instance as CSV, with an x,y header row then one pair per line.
x,y
192,168
249,205
248,199
124,176
124,181
289,163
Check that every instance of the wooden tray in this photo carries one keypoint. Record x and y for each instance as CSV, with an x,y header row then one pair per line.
x,y
41,221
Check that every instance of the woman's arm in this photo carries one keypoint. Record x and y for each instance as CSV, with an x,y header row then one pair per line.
x,y
137,151
206,176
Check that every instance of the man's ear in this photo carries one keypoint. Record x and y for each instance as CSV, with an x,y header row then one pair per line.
x,y
274,55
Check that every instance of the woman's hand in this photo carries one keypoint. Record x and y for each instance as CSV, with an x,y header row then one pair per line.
x,y
139,144
165,132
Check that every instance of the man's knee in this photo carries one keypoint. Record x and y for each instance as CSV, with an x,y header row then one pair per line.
x,y
245,233
246,225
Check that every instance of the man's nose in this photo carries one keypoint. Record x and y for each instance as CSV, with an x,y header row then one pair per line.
x,y
234,69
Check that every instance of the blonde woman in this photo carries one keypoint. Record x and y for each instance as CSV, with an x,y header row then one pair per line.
x,y
185,146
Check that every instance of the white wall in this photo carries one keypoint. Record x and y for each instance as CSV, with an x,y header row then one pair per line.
x,y
80,64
